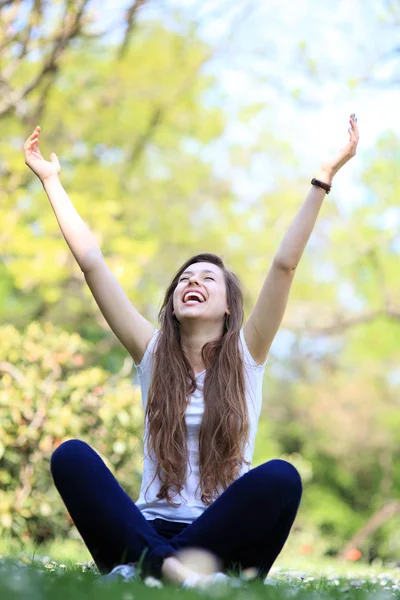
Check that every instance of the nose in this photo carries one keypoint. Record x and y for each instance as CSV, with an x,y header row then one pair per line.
x,y
193,278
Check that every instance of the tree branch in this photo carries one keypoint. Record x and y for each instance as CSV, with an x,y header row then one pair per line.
x,y
70,27
4,3
137,150
130,25
342,324
379,518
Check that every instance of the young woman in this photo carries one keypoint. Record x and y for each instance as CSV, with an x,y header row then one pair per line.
x,y
201,379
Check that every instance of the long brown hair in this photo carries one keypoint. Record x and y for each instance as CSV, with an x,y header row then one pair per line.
x,y
225,424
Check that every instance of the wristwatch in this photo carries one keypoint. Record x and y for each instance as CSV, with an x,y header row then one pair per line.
x,y
326,186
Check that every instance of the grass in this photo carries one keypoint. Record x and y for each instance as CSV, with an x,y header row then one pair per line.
x,y
64,572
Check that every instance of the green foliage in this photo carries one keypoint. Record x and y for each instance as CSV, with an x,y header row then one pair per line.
x,y
51,390
136,141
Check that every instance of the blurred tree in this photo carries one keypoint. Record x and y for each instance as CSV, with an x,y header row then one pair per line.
x,y
134,126
336,397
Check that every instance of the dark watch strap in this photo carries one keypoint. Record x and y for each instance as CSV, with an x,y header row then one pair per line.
x,y
325,186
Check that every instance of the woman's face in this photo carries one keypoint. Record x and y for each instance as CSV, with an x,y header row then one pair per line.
x,y
210,302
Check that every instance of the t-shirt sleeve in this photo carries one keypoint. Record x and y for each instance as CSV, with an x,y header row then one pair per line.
x,y
146,361
249,360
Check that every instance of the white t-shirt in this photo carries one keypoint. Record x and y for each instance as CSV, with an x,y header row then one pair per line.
x,y
191,505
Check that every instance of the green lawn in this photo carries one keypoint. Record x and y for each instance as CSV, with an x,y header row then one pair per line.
x,y
64,572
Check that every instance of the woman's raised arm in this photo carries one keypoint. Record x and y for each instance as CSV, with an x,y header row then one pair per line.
x,y
264,322
130,327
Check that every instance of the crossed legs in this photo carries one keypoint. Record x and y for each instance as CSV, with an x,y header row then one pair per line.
x,y
247,526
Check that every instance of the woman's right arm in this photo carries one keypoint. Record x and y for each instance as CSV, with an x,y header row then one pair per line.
x,y
130,327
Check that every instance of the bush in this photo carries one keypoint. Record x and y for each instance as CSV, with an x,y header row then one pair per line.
x,y
50,392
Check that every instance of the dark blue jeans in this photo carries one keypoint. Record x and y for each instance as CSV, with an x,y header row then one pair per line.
x,y
247,526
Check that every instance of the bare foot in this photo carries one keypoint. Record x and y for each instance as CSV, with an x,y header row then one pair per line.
x,y
190,564
173,570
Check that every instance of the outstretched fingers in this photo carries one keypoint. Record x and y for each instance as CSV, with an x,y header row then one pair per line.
x,y
33,138
353,129
354,133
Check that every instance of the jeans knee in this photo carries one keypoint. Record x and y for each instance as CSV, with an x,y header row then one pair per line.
x,y
66,454
284,474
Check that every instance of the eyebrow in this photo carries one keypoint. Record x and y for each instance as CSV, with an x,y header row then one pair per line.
x,y
204,271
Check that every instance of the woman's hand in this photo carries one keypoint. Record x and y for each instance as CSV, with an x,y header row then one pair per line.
x,y
331,166
35,161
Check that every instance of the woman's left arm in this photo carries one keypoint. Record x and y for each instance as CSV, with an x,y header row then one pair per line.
x,y
264,322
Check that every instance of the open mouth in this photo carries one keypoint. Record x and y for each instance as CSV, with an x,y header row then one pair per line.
x,y
193,298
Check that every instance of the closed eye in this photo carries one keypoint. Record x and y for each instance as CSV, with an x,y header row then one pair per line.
x,y
183,278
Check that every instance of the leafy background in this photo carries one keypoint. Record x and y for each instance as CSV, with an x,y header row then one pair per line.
x,y
142,125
